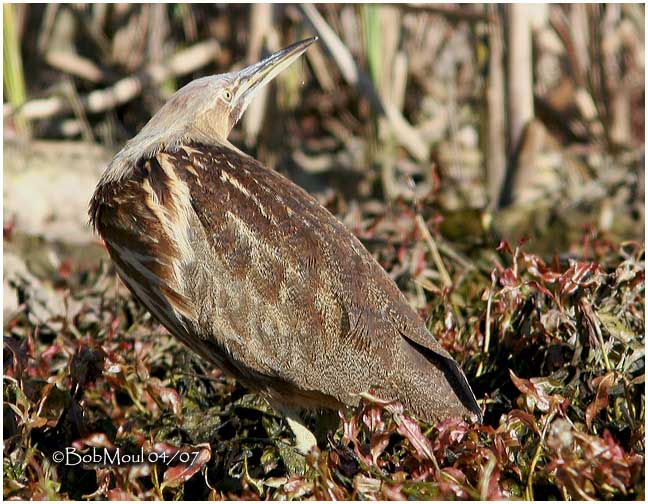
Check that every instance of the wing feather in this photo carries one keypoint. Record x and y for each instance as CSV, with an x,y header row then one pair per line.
x,y
132,220
237,260
347,303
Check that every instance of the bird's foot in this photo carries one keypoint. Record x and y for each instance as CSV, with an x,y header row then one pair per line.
x,y
294,457
304,439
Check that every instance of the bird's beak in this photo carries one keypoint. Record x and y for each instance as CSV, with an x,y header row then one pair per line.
x,y
254,77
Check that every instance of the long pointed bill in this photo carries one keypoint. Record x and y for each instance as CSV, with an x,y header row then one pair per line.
x,y
254,77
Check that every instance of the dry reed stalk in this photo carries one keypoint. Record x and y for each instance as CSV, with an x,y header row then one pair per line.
x,y
126,89
496,109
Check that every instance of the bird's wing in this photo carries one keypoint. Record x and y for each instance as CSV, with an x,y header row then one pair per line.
x,y
403,321
291,279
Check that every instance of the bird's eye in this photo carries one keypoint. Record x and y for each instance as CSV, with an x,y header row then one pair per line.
x,y
227,95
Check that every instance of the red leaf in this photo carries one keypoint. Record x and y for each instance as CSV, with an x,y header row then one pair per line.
x,y
530,389
350,428
508,278
601,400
174,476
526,418
452,430
379,442
539,396
542,289
409,429
372,418
118,494
167,395
504,245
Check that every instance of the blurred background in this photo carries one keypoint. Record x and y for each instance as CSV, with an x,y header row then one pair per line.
x,y
467,112
434,132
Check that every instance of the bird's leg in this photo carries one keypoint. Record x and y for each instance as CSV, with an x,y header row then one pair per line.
x,y
304,439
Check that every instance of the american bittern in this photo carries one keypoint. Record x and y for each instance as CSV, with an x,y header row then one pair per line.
x,y
253,274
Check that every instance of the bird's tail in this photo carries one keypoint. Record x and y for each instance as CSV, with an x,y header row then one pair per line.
x,y
438,388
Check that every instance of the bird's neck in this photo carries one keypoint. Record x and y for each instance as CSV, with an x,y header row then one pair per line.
x,y
149,143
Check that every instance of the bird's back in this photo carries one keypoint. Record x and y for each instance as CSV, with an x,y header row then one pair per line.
x,y
250,271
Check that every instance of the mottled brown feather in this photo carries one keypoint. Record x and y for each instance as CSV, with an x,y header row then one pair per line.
x,y
276,290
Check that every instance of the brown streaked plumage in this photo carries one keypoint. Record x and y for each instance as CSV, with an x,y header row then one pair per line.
x,y
252,273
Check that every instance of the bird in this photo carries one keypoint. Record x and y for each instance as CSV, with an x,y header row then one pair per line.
x,y
249,271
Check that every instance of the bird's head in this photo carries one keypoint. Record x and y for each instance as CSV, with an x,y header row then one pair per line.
x,y
205,110
209,107
230,94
